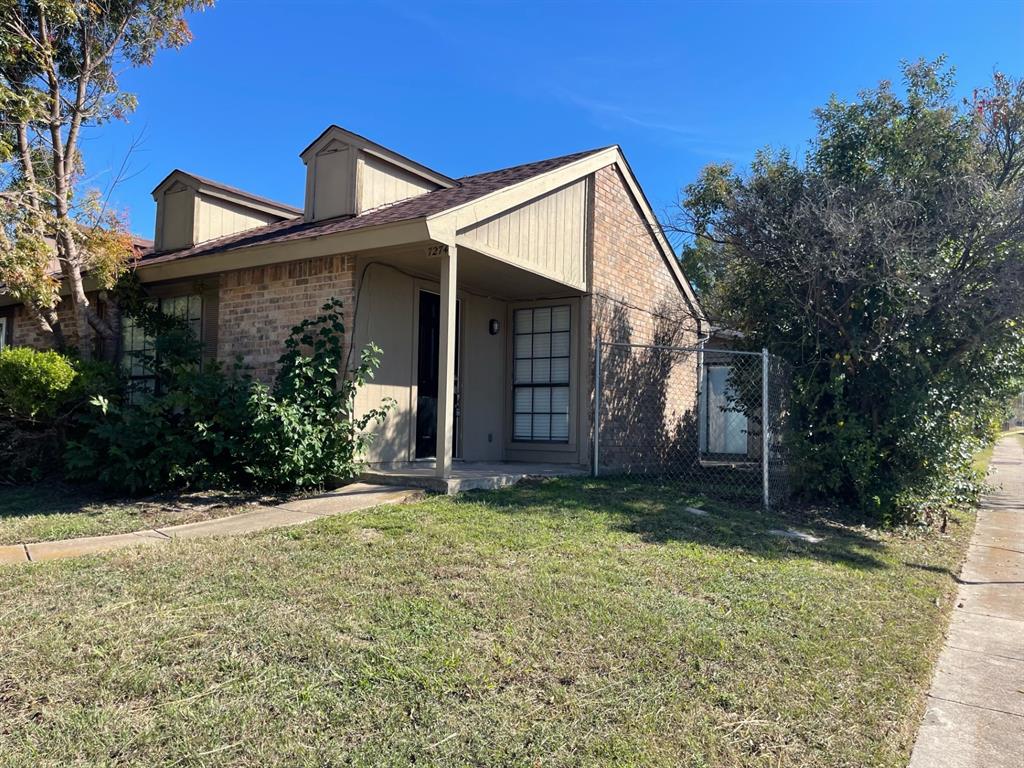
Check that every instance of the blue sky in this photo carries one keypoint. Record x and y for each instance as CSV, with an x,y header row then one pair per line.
x,y
469,87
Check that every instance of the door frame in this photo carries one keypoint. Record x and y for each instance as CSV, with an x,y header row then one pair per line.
x,y
425,286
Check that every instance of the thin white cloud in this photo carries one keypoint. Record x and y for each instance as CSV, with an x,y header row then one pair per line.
x,y
697,140
641,119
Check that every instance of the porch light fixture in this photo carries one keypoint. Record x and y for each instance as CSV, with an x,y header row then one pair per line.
x,y
493,327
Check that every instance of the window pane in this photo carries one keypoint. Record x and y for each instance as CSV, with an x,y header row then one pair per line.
x,y
523,346
559,318
542,400
542,345
541,371
560,400
560,344
560,370
524,321
541,350
524,370
175,307
542,320
523,400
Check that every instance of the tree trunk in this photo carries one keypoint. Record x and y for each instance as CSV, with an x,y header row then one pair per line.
x,y
89,324
50,321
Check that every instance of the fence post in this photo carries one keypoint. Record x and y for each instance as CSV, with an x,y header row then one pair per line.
x,y
765,425
597,405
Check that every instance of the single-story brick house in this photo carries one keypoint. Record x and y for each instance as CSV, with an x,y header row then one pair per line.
x,y
486,293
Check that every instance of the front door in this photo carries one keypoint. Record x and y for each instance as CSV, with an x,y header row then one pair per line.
x,y
428,348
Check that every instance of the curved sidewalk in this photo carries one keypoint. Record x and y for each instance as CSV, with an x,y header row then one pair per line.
x,y
975,714
351,498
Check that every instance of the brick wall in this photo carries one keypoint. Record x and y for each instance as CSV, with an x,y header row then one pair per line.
x,y
648,396
635,296
259,306
28,332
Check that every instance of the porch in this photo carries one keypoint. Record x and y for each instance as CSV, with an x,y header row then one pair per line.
x,y
466,475
485,362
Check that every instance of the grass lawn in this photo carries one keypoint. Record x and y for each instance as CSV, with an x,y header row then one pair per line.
x,y
570,622
46,512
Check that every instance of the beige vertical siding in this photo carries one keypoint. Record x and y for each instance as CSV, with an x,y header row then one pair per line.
x,y
385,316
176,223
546,235
381,183
218,218
388,316
484,380
331,191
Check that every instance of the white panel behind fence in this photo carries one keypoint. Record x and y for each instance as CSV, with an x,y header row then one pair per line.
x,y
709,420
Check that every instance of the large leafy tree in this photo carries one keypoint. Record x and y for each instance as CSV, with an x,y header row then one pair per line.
x,y
887,268
59,64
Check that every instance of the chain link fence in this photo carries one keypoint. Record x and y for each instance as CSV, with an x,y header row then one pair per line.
x,y
712,421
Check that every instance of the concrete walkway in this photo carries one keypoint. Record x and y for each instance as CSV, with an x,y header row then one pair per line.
x,y
351,498
975,714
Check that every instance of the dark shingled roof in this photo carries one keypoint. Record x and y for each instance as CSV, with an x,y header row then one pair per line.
x,y
467,189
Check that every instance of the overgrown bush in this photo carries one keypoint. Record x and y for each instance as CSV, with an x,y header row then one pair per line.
x,y
209,425
886,270
303,431
41,393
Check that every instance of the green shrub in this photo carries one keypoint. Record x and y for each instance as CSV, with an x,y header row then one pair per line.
x,y
34,384
41,394
885,269
211,426
303,430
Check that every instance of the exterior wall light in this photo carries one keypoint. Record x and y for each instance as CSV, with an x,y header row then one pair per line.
x,y
493,327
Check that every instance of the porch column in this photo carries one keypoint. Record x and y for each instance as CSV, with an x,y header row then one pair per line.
x,y
446,364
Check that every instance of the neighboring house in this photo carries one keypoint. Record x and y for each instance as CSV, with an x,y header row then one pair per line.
x,y
485,292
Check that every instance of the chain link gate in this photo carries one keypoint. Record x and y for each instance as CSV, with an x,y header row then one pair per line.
x,y
709,420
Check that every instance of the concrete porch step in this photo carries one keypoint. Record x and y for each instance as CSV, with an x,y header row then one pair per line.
x,y
465,476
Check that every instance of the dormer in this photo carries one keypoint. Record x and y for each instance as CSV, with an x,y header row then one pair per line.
x,y
191,210
347,174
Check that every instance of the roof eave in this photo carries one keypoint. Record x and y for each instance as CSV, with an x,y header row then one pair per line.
x,y
395,234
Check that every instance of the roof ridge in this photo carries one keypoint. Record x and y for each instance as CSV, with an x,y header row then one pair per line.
x,y
232,189
520,166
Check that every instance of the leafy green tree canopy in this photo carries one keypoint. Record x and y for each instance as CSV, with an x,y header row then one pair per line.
x,y
887,269
59,66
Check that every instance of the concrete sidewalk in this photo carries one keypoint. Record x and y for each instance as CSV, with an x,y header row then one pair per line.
x,y
351,498
975,714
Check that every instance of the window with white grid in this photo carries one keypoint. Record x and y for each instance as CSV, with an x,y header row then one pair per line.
x,y
540,376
